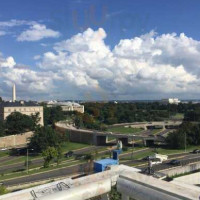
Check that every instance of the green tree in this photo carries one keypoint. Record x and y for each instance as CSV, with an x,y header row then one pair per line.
x,y
17,123
2,128
49,154
44,137
36,119
78,121
53,115
188,133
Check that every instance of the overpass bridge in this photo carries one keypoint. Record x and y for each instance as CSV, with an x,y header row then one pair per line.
x,y
94,137
151,125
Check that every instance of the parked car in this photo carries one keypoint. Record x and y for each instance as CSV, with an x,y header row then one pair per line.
x,y
147,158
156,161
175,162
196,151
69,154
3,149
80,156
18,151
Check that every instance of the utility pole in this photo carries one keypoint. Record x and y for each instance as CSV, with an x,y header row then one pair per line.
x,y
132,148
185,142
27,161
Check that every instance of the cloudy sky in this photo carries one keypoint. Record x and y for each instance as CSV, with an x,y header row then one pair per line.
x,y
100,49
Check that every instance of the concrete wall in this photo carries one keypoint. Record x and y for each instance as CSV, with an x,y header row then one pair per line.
x,y
192,179
78,136
181,169
15,140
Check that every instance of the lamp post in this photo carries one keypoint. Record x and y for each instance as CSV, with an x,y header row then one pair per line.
x,y
132,147
27,159
185,142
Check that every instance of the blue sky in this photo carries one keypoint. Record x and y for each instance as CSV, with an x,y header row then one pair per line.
x,y
30,31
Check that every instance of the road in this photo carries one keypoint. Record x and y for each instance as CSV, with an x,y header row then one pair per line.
x,y
184,157
38,162
7,158
56,173
49,175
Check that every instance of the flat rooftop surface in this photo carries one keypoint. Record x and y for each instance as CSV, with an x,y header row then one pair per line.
x,y
106,161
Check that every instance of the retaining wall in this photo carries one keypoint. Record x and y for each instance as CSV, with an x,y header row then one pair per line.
x,y
15,140
78,136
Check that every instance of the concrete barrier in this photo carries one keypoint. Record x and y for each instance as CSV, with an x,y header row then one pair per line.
x,y
181,169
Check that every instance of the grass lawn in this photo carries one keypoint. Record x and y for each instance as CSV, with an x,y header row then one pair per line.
x,y
178,116
31,172
161,151
70,146
140,155
155,131
174,151
125,130
67,146
4,153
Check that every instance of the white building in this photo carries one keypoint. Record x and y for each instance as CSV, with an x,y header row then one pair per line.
x,y
171,101
67,106
27,108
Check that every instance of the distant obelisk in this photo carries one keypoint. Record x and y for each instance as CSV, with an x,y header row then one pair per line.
x,y
14,93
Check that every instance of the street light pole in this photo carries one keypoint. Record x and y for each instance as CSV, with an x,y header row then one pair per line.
x,y
132,148
27,161
185,142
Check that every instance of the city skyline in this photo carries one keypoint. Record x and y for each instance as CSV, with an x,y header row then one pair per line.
x,y
100,50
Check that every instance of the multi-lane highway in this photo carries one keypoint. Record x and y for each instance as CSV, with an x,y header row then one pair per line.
x,y
81,168
39,162
184,158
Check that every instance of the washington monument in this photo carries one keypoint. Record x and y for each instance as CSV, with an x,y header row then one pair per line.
x,y
14,93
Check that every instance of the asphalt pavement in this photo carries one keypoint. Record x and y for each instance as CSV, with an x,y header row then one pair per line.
x,y
49,175
38,162
185,158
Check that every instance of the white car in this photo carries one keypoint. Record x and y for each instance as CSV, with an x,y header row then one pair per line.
x,y
4,149
156,161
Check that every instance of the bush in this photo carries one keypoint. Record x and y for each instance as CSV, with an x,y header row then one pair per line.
x,y
3,190
125,148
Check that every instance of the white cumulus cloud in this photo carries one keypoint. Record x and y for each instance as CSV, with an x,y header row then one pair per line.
x,y
148,66
150,63
37,32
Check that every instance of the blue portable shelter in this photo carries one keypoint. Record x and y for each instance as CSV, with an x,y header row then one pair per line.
x,y
100,165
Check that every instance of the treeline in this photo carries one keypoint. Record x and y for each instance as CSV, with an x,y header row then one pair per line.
x,y
188,134
98,115
111,113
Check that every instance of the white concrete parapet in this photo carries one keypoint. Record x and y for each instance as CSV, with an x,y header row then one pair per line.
x,y
129,182
140,187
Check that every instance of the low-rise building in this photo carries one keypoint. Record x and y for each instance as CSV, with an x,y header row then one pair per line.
x,y
67,106
27,108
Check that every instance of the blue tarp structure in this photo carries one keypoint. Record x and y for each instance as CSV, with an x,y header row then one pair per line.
x,y
100,165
